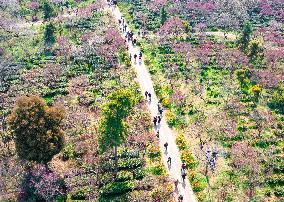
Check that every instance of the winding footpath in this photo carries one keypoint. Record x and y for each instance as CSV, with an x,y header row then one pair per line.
x,y
166,134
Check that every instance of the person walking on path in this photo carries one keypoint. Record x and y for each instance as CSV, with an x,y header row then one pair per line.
x,y
183,175
183,166
176,184
134,42
131,34
180,198
149,95
135,57
161,111
146,94
155,121
140,55
166,146
159,119
169,161
158,134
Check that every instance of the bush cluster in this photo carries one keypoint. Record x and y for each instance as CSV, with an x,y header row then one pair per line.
x,y
197,180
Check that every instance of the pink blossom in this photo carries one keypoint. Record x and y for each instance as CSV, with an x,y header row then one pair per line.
x,y
281,14
173,25
33,5
266,9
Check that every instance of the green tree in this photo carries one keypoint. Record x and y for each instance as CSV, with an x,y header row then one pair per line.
x,y
255,92
48,10
277,101
49,37
243,76
113,129
245,36
163,15
36,128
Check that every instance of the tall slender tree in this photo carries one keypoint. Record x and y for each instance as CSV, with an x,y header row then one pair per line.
x,y
113,129
245,36
163,15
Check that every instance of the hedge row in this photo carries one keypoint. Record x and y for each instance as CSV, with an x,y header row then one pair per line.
x,y
197,180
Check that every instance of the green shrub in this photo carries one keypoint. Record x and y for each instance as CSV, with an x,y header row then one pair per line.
x,y
198,182
275,180
117,188
138,174
188,159
106,178
243,76
125,153
277,101
171,119
255,92
279,191
165,101
129,163
80,194
123,176
181,142
157,169
68,152
153,151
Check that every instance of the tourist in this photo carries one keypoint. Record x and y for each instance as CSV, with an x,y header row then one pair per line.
x,y
180,198
183,175
161,111
169,161
149,95
155,121
183,166
159,119
146,94
135,57
158,134
176,183
134,42
159,106
166,146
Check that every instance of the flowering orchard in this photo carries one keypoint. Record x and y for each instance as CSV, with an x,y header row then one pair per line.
x,y
61,62
217,66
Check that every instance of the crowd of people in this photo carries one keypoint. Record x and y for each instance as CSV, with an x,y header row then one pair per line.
x,y
130,39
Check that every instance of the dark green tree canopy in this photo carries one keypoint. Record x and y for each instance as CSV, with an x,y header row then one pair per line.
x,y
49,37
246,35
48,10
163,15
36,128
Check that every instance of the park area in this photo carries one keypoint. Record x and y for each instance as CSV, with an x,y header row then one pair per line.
x,y
142,100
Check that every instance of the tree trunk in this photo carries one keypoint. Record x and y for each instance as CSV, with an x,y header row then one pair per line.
x,y
115,161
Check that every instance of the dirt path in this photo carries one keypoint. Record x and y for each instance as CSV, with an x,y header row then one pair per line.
x,y
221,35
166,134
